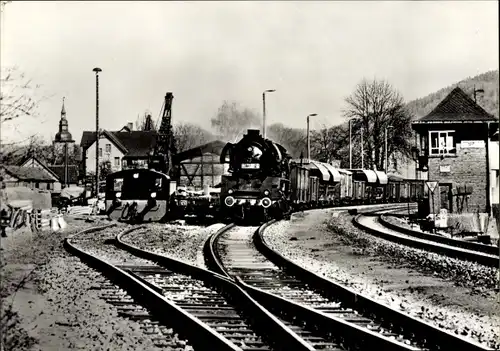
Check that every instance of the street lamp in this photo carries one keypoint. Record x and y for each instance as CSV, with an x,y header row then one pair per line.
x,y
264,110
97,70
308,139
386,157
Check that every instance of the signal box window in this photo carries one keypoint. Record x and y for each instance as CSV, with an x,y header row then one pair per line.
x,y
442,143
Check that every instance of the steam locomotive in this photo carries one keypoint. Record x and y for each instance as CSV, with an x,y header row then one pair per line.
x,y
258,185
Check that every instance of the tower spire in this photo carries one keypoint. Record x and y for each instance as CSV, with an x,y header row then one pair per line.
x,y
63,110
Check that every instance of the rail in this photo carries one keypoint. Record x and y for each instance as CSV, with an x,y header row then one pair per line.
x,y
363,303
199,335
487,249
280,336
352,334
428,244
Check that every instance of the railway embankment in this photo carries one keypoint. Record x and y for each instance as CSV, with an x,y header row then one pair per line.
x,y
452,294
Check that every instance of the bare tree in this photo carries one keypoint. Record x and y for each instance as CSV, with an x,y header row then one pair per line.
x,y
330,144
188,135
16,95
232,121
377,106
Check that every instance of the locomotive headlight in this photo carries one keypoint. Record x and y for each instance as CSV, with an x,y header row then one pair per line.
x,y
230,191
229,201
266,192
118,194
266,202
153,195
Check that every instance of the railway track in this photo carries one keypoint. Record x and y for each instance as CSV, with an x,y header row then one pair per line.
x,y
209,310
325,313
483,254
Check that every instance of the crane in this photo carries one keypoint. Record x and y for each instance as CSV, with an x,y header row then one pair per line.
x,y
161,159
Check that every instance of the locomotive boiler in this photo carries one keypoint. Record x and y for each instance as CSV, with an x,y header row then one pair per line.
x,y
258,184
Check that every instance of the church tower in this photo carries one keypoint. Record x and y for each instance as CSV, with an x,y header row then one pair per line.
x,y
64,145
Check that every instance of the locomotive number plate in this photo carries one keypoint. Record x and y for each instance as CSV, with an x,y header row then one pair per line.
x,y
250,166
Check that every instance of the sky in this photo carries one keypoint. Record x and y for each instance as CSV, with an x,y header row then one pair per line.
x,y
312,53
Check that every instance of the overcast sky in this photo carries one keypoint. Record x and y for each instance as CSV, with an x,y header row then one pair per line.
x,y
312,53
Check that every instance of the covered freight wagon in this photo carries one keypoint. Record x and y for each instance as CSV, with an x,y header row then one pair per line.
x,y
200,167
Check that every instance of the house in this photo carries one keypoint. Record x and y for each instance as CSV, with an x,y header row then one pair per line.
x,y
125,148
35,163
30,177
56,172
458,150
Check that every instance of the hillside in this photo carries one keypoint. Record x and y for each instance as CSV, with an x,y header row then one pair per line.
x,y
489,100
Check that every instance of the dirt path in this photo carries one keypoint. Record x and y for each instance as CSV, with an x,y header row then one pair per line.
x,y
306,239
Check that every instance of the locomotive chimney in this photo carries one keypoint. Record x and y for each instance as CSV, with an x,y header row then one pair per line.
x,y
253,132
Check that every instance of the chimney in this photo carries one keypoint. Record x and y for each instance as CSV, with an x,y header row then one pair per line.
x,y
130,126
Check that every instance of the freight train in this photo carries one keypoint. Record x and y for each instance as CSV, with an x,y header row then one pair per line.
x,y
263,182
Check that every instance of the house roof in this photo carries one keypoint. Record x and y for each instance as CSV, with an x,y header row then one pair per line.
x,y
134,143
24,163
457,107
73,173
28,173
213,147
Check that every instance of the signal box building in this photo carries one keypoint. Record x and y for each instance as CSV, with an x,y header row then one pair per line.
x,y
458,146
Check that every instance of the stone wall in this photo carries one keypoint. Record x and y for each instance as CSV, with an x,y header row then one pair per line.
x,y
468,167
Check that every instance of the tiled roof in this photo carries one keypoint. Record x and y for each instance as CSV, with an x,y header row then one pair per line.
x,y
136,142
457,106
73,172
28,173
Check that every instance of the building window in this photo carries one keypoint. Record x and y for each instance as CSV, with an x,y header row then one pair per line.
x,y
100,152
442,142
49,186
37,185
108,148
117,161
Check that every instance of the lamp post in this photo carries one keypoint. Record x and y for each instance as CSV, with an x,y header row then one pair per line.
x,y
264,110
308,139
97,70
386,154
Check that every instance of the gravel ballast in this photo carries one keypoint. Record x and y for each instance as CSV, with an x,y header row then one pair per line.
x,y
184,243
50,301
454,295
